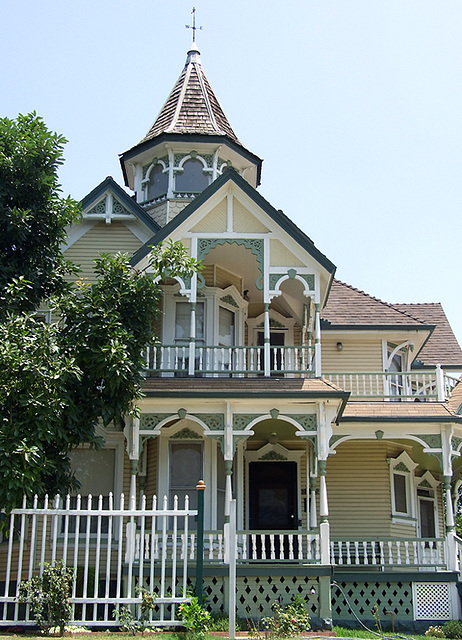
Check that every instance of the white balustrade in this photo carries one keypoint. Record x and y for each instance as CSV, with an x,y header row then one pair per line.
x,y
389,552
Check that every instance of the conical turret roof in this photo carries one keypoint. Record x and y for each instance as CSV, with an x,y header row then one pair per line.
x,y
192,106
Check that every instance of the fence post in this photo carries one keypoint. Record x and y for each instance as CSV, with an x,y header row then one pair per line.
x,y
200,540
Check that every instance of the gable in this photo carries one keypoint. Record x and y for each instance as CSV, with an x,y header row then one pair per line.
x,y
101,237
281,256
244,221
215,221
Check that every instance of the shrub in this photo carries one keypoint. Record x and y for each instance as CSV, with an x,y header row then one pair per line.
x,y
48,596
289,621
453,629
195,618
435,632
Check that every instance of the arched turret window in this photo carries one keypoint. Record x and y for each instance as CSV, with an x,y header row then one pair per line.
x,y
193,177
158,182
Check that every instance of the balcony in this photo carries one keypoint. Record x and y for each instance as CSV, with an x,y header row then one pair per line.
x,y
253,361
430,385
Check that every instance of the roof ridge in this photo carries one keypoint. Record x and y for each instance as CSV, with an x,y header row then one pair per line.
x,y
387,304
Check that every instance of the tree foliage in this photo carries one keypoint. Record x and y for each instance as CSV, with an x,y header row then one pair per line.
x,y
58,381
33,215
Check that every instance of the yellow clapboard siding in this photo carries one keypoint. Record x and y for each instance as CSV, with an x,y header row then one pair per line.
x,y
244,221
281,256
112,239
357,354
358,489
215,221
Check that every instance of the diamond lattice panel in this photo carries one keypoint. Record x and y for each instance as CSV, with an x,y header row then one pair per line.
x,y
361,597
256,595
432,601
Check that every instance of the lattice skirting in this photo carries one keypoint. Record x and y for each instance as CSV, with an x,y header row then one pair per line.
x,y
256,595
433,601
362,596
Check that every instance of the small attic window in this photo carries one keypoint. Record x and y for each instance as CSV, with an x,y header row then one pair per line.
x,y
193,178
158,182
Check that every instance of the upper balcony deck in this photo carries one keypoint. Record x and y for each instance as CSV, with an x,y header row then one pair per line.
x,y
427,385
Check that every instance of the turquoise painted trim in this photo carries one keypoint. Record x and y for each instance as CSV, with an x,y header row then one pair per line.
x,y
189,138
393,576
277,215
123,197
327,326
340,395
448,418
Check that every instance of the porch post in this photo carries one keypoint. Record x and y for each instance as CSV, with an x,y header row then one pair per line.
x,y
266,342
446,463
440,384
324,528
313,517
317,340
192,340
132,436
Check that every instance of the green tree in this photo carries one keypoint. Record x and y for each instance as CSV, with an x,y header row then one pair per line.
x,y
58,381
33,215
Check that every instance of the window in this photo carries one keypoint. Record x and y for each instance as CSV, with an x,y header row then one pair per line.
x,y
158,182
95,472
192,178
403,506
186,469
183,322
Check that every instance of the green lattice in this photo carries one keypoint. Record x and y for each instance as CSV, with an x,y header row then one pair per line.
x,y
363,595
256,595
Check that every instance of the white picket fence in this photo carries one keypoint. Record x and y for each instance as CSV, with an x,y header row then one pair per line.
x,y
97,538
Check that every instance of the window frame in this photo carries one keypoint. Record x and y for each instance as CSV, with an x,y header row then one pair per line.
x,y
403,466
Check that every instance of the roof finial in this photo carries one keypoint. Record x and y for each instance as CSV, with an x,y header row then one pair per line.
x,y
193,26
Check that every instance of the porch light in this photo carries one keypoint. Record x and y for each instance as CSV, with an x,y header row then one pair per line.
x,y
339,346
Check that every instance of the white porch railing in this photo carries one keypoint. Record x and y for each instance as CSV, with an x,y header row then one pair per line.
x,y
278,546
425,553
245,361
425,385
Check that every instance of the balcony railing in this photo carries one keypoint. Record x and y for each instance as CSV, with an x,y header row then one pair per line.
x,y
424,386
236,361
389,552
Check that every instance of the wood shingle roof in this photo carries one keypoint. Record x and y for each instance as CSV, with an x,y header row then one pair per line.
x,y
442,346
347,306
192,107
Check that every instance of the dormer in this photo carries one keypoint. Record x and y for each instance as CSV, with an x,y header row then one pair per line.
x,y
190,144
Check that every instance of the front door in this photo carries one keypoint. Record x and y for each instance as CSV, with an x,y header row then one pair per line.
x,y
272,495
273,505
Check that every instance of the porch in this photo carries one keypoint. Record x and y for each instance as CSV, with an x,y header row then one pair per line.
x,y
114,550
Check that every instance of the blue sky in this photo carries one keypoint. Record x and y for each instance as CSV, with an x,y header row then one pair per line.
x,y
354,105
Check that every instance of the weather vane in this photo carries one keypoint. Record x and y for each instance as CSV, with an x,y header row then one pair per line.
x,y
193,26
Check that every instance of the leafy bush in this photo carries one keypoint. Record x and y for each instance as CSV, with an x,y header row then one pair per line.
x,y
435,632
195,618
48,596
126,620
289,621
453,629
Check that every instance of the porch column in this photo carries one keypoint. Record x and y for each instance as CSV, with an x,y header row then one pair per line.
x,y
192,340
313,517
228,452
132,436
324,527
266,342
317,340
446,463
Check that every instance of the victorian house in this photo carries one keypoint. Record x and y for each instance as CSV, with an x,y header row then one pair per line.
x,y
331,417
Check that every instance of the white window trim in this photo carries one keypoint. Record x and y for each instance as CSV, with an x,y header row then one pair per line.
x,y
410,517
209,463
428,476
